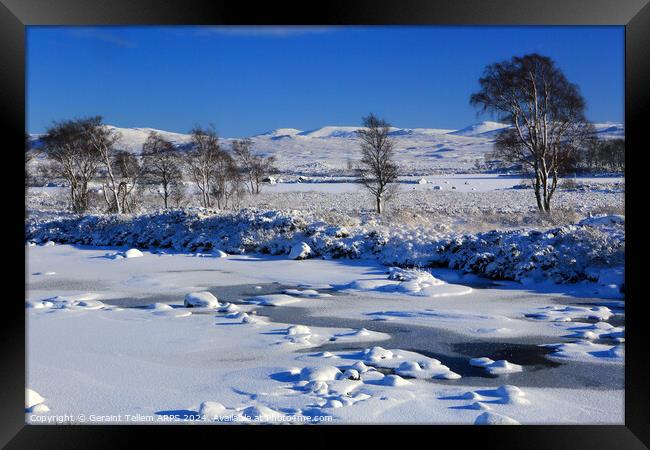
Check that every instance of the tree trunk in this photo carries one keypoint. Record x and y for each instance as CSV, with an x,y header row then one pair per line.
x,y
538,192
378,204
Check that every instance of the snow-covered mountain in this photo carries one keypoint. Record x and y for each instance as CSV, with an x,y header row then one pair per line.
x,y
331,149
484,129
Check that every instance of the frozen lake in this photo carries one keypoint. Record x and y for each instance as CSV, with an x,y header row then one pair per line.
x,y
294,327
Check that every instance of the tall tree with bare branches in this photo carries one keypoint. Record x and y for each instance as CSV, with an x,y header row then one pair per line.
x,y
547,114
202,159
103,140
161,164
66,147
255,167
128,171
377,170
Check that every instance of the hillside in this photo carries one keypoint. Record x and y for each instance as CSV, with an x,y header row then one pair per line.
x,y
331,149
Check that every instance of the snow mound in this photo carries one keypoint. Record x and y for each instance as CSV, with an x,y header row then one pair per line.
x,y
261,413
297,330
410,282
274,300
211,410
492,418
584,350
408,364
34,403
229,308
133,253
570,313
159,307
41,408
32,398
499,367
202,299
377,354
251,318
300,251
74,302
306,293
324,373
395,380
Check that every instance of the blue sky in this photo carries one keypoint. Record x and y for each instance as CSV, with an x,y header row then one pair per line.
x,y
247,80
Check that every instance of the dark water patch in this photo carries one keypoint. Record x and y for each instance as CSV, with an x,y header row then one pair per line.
x,y
522,354
231,294
455,350
617,320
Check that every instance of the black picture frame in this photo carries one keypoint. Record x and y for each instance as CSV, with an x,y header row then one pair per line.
x,y
15,15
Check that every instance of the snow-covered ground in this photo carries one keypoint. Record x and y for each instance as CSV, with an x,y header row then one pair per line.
x,y
459,304
112,340
330,149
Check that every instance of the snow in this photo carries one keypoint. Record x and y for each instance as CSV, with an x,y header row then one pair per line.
x,y
32,398
570,313
490,418
210,410
201,300
324,373
209,366
563,254
133,253
274,300
485,128
499,367
411,282
300,251
585,350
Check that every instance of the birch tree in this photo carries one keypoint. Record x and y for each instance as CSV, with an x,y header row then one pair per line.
x,y
255,167
161,163
201,160
102,140
546,113
127,172
66,147
377,170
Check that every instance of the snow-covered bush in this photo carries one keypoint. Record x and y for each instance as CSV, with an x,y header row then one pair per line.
x,y
563,254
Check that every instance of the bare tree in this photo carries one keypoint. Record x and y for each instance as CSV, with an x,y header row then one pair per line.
x,y
377,169
546,112
127,171
161,163
102,140
229,186
66,147
201,160
255,167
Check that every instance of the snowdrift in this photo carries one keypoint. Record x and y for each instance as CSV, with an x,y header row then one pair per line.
x,y
564,255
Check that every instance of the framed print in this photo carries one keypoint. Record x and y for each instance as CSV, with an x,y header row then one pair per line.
x,y
235,218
